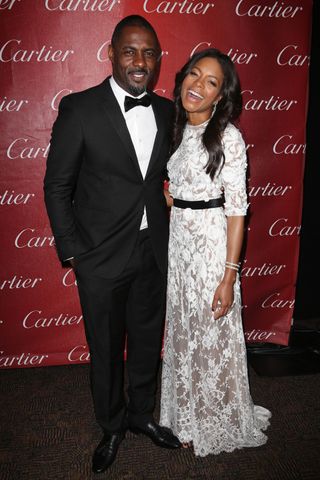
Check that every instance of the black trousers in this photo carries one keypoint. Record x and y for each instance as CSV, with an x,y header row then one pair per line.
x,y
129,307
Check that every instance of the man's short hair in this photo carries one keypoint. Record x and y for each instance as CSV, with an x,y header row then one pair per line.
x,y
132,21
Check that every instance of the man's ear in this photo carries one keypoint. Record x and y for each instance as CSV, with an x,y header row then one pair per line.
x,y
110,53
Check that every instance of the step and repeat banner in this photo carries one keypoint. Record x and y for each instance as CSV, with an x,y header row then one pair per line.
x,y
49,48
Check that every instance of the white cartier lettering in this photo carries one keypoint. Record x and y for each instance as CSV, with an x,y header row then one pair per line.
x,y
23,359
19,282
277,10
283,145
12,105
200,46
68,279
287,57
7,4
102,53
163,52
256,334
9,52
269,190
274,301
33,320
85,5
13,198
262,270
271,103
161,90
25,239
18,149
58,96
279,228
197,8
241,57
234,54
79,354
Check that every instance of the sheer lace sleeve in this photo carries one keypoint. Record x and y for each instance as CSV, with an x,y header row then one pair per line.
x,y
233,173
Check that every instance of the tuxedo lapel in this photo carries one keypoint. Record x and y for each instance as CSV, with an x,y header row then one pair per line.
x,y
160,121
117,121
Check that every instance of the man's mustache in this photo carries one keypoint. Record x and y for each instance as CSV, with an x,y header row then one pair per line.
x,y
139,70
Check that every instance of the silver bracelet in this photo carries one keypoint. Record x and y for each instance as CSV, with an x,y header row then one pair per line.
x,y
233,266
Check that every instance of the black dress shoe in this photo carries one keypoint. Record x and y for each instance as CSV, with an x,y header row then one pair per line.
x,y
161,436
106,451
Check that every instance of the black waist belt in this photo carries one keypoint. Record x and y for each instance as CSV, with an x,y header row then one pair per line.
x,y
198,205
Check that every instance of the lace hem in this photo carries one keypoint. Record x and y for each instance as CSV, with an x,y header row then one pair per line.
x,y
212,440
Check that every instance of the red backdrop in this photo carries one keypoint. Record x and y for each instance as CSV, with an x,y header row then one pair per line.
x,y
49,48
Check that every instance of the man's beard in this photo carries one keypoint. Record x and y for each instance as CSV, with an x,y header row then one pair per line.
x,y
137,90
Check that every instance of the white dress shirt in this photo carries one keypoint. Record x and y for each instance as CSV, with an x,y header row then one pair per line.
x,y
142,128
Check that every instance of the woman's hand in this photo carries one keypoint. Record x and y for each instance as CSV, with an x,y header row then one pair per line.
x,y
169,199
223,299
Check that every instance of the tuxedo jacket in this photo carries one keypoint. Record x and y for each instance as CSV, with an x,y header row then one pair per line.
x,y
94,190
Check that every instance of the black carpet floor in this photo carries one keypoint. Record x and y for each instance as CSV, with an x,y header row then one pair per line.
x,y
48,432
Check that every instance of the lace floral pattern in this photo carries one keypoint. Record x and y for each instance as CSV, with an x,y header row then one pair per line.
x,y
205,390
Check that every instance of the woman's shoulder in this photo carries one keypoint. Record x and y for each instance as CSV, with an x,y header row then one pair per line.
x,y
231,132
233,144
232,138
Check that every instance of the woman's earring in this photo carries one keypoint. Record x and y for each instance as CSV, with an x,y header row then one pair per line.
x,y
214,108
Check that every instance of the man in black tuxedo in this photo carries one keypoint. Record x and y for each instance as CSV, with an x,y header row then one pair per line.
x,y
104,197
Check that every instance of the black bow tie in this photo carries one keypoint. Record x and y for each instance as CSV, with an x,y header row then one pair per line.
x,y
131,102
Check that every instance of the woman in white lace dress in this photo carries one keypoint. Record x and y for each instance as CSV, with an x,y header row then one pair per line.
x,y
205,391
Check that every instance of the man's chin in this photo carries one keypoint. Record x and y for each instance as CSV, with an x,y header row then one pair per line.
x,y
136,90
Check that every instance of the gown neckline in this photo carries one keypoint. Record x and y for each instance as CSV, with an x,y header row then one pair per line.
x,y
203,124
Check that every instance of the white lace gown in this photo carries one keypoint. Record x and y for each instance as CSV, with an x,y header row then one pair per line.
x,y
205,391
